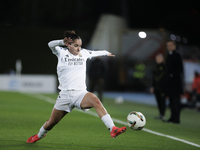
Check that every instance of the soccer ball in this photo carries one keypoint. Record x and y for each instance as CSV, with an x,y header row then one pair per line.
x,y
136,120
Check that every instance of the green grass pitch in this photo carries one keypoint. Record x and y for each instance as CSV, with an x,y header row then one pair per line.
x,y
22,116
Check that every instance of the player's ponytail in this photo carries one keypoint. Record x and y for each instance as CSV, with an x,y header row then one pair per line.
x,y
71,34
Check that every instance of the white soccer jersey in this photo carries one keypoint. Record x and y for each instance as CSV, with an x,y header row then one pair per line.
x,y
71,69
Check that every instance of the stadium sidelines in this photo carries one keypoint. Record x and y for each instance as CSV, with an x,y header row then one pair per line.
x,y
52,101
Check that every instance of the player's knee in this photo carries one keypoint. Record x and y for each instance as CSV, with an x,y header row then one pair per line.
x,y
97,102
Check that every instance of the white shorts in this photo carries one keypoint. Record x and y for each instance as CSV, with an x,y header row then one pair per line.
x,y
67,100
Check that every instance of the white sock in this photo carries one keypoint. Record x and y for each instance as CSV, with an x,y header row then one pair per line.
x,y
107,120
42,132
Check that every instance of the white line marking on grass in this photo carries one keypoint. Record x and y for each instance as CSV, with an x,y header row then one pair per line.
x,y
52,101
41,97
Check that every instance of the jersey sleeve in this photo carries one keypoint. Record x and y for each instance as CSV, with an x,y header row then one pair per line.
x,y
54,46
91,53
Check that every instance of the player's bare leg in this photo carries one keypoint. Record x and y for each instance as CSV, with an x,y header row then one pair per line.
x,y
56,116
90,100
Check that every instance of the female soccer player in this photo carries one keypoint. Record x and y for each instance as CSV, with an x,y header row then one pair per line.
x,y
71,70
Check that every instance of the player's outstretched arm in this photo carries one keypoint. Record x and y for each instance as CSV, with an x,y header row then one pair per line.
x,y
111,55
99,53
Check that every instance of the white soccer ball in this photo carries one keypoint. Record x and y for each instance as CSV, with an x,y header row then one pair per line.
x,y
136,120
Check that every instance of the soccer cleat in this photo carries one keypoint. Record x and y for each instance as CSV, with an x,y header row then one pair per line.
x,y
117,131
33,139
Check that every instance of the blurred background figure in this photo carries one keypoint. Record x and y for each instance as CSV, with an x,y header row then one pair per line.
x,y
18,66
196,89
139,76
157,87
174,83
97,73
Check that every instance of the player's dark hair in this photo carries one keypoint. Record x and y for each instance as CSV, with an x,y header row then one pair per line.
x,y
71,34
174,42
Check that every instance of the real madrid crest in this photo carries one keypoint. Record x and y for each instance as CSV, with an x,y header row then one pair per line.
x,y
79,55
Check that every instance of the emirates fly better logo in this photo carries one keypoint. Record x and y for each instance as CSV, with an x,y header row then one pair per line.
x,y
73,61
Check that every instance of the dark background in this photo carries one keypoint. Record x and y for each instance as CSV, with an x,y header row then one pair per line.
x,y
26,26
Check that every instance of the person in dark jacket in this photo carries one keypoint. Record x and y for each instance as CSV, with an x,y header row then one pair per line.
x,y
173,85
96,72
157,88
196,89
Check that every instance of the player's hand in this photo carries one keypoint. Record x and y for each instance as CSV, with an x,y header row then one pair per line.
x,y
111,55
67,40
